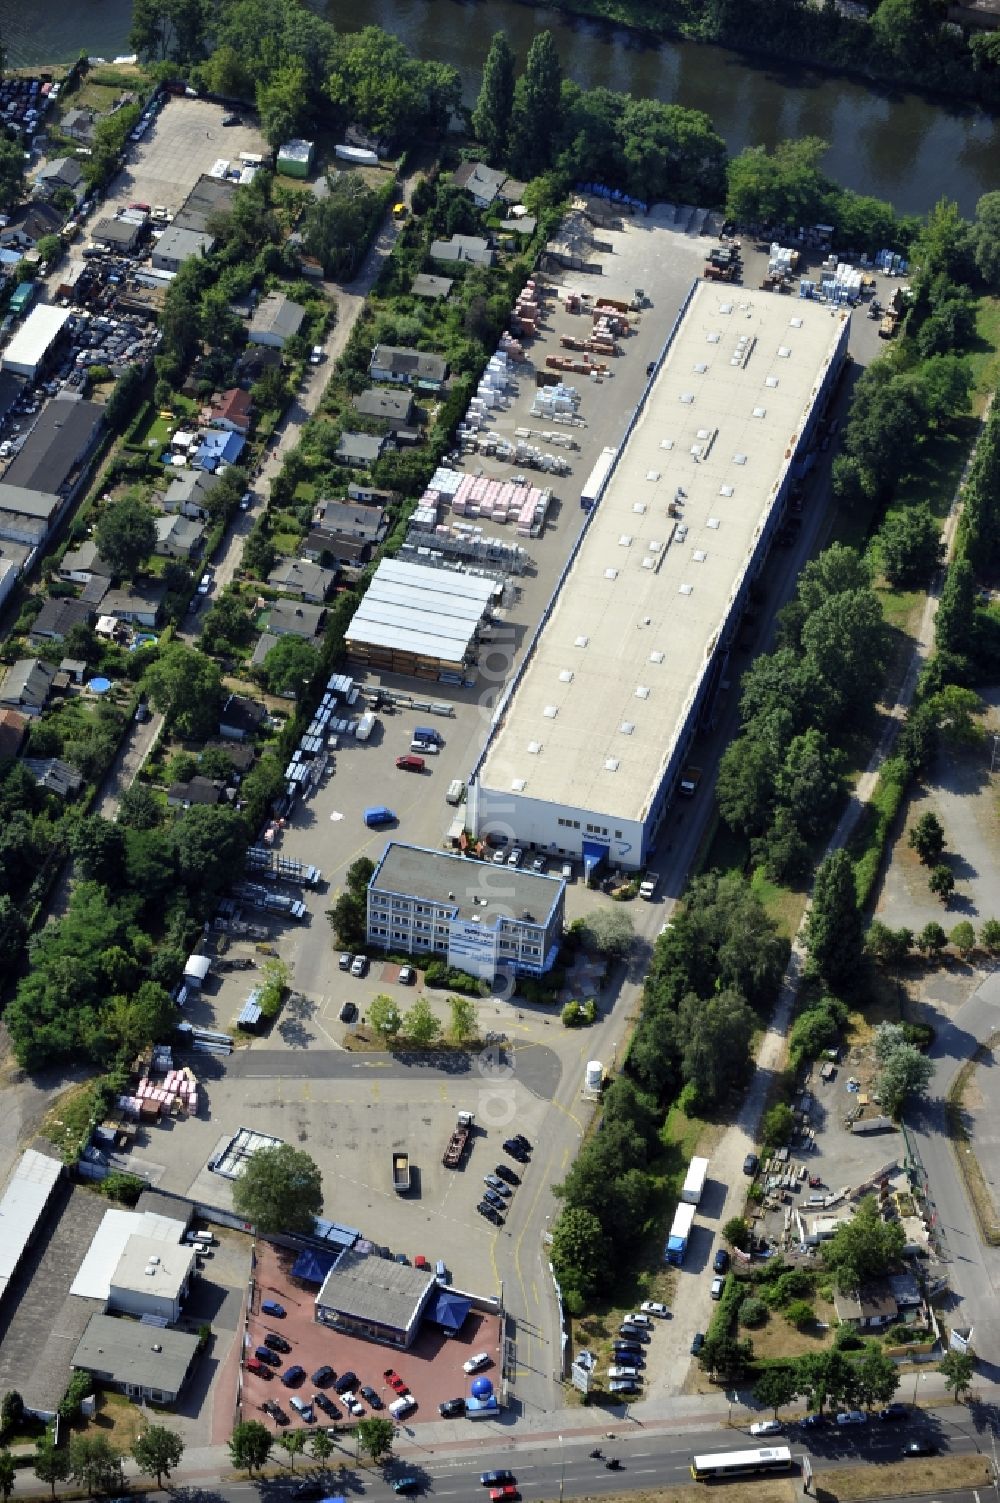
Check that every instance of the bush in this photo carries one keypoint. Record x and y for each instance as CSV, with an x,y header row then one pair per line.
x,y
848,1340
753,1312
777,1126
688,1101
80,1387
800,1314
571,1015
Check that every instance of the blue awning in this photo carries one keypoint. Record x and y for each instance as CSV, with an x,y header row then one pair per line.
x,y
312,1265
593,854
448,1310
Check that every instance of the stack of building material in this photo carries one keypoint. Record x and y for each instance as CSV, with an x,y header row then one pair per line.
x,y
527,311
782,261
512,348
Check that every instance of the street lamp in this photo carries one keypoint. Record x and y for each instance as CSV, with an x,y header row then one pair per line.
x,y
562,1468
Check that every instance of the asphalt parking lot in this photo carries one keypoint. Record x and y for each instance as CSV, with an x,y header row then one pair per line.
x,y
186,139
431,1369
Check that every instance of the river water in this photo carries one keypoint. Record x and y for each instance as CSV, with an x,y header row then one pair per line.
x,y
894,145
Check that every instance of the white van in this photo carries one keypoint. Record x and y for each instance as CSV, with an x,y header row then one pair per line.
x,y
399,1408
456,791
203,1239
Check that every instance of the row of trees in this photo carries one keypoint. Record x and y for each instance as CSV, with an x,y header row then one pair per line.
x,y
539,122
251,1443
91,1461
712,974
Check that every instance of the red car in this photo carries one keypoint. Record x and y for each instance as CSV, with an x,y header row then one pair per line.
x,y
253,1366
420,1261
395,1381
501,1494
144,207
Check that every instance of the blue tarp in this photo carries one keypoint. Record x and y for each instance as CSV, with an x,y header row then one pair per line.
x,y
312,1265
449,1310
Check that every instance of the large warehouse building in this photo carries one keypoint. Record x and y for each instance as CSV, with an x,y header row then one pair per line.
x,y
419,621
34,339
588,743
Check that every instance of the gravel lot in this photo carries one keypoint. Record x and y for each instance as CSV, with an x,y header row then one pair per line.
x,y
186,139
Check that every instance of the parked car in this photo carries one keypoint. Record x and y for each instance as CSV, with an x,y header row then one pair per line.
x,y
231,120
407,975
264,1354
327,1405
894,1413
345,961
277,1343
751,1164
625,1370
503,1172
921,1448
348,1013
354,1405
502,1494
766,1427
489,1212
476,1363
346,1381
697,1343
367,1392
718,1284
516,856
254,1365
634,1333
721,1261
653,1307
638,1318
359,965
813,1421
323,1375
394,1381
405,1484
852,1417
515,1151
293,1375
496,1184
451,1408
303,1408
272,1308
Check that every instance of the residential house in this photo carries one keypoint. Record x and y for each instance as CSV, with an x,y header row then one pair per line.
x,y
13,727
197,790
430,287
276,319
484,183
80,565
57,617
406,367
258,358
26,514
80,125
906,1292
60,173
291,618
394,408
183,442
335,549
520,224
95,589
367,494
241,755
188,492
178,536
360,450
177,245
296,576
262,647
27,685
218,448
240,718
471,250
140,605
54,775
232,411
868,1308
75,669
123,1354
367,523
28,224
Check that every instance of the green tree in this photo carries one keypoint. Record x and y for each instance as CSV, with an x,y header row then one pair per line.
x,y
293,1443
877,1377
209,846
958,1370
281,102
290,666
157,1451
908,546
954,623
336,229
250,1445
126,535
610,932
864,1248
580,1250
777,1126
375,1436
737,1233
986,238
51,1462
186,687
834,931
889,947
420,1025
384,1016
932,939
800,1314
462,1023
810,783
492,114
726,1357
320,1446
989,935
280,1190
963,937
903,1070
812,1032
8,1475
536,111
95,1464
11,173
942,882
927,838
781,186
845,640
13,933
716,1036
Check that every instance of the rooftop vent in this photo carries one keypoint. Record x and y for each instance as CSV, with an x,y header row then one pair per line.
x,y
656,657
685,589
550,712
699,555
795,321
534,747
725,490
641,692
700,368
713,336
725,308
687,397
739,459
518,785
783,352
611,764
627,727
581,641
625,541
760,412
611,574
566,675
713,522
771,381
653,475
666,443
639,506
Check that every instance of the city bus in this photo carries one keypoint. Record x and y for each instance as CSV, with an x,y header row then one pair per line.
x,y
740,1463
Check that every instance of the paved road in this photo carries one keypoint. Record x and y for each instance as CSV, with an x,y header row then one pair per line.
x,y
538,1068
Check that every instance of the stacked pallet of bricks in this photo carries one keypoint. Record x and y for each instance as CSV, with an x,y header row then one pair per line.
x,y
177,1092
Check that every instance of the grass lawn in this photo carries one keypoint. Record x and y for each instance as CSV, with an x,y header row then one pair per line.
x,y
918,1474
902,609
985,359
118,1420
783,904
286,542
777,1338
69,1117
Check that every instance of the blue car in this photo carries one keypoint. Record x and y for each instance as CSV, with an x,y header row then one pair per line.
x,y
293,1375
271,1307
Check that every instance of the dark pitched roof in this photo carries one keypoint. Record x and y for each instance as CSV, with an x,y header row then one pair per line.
x,y
242,714
57,616
62,437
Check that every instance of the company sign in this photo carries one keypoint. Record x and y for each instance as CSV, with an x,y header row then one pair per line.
x,y
472,948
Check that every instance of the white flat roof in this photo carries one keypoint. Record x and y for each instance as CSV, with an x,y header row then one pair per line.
x,y
149,1265
417,609
597,712
28,1192
35,335
94,1276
